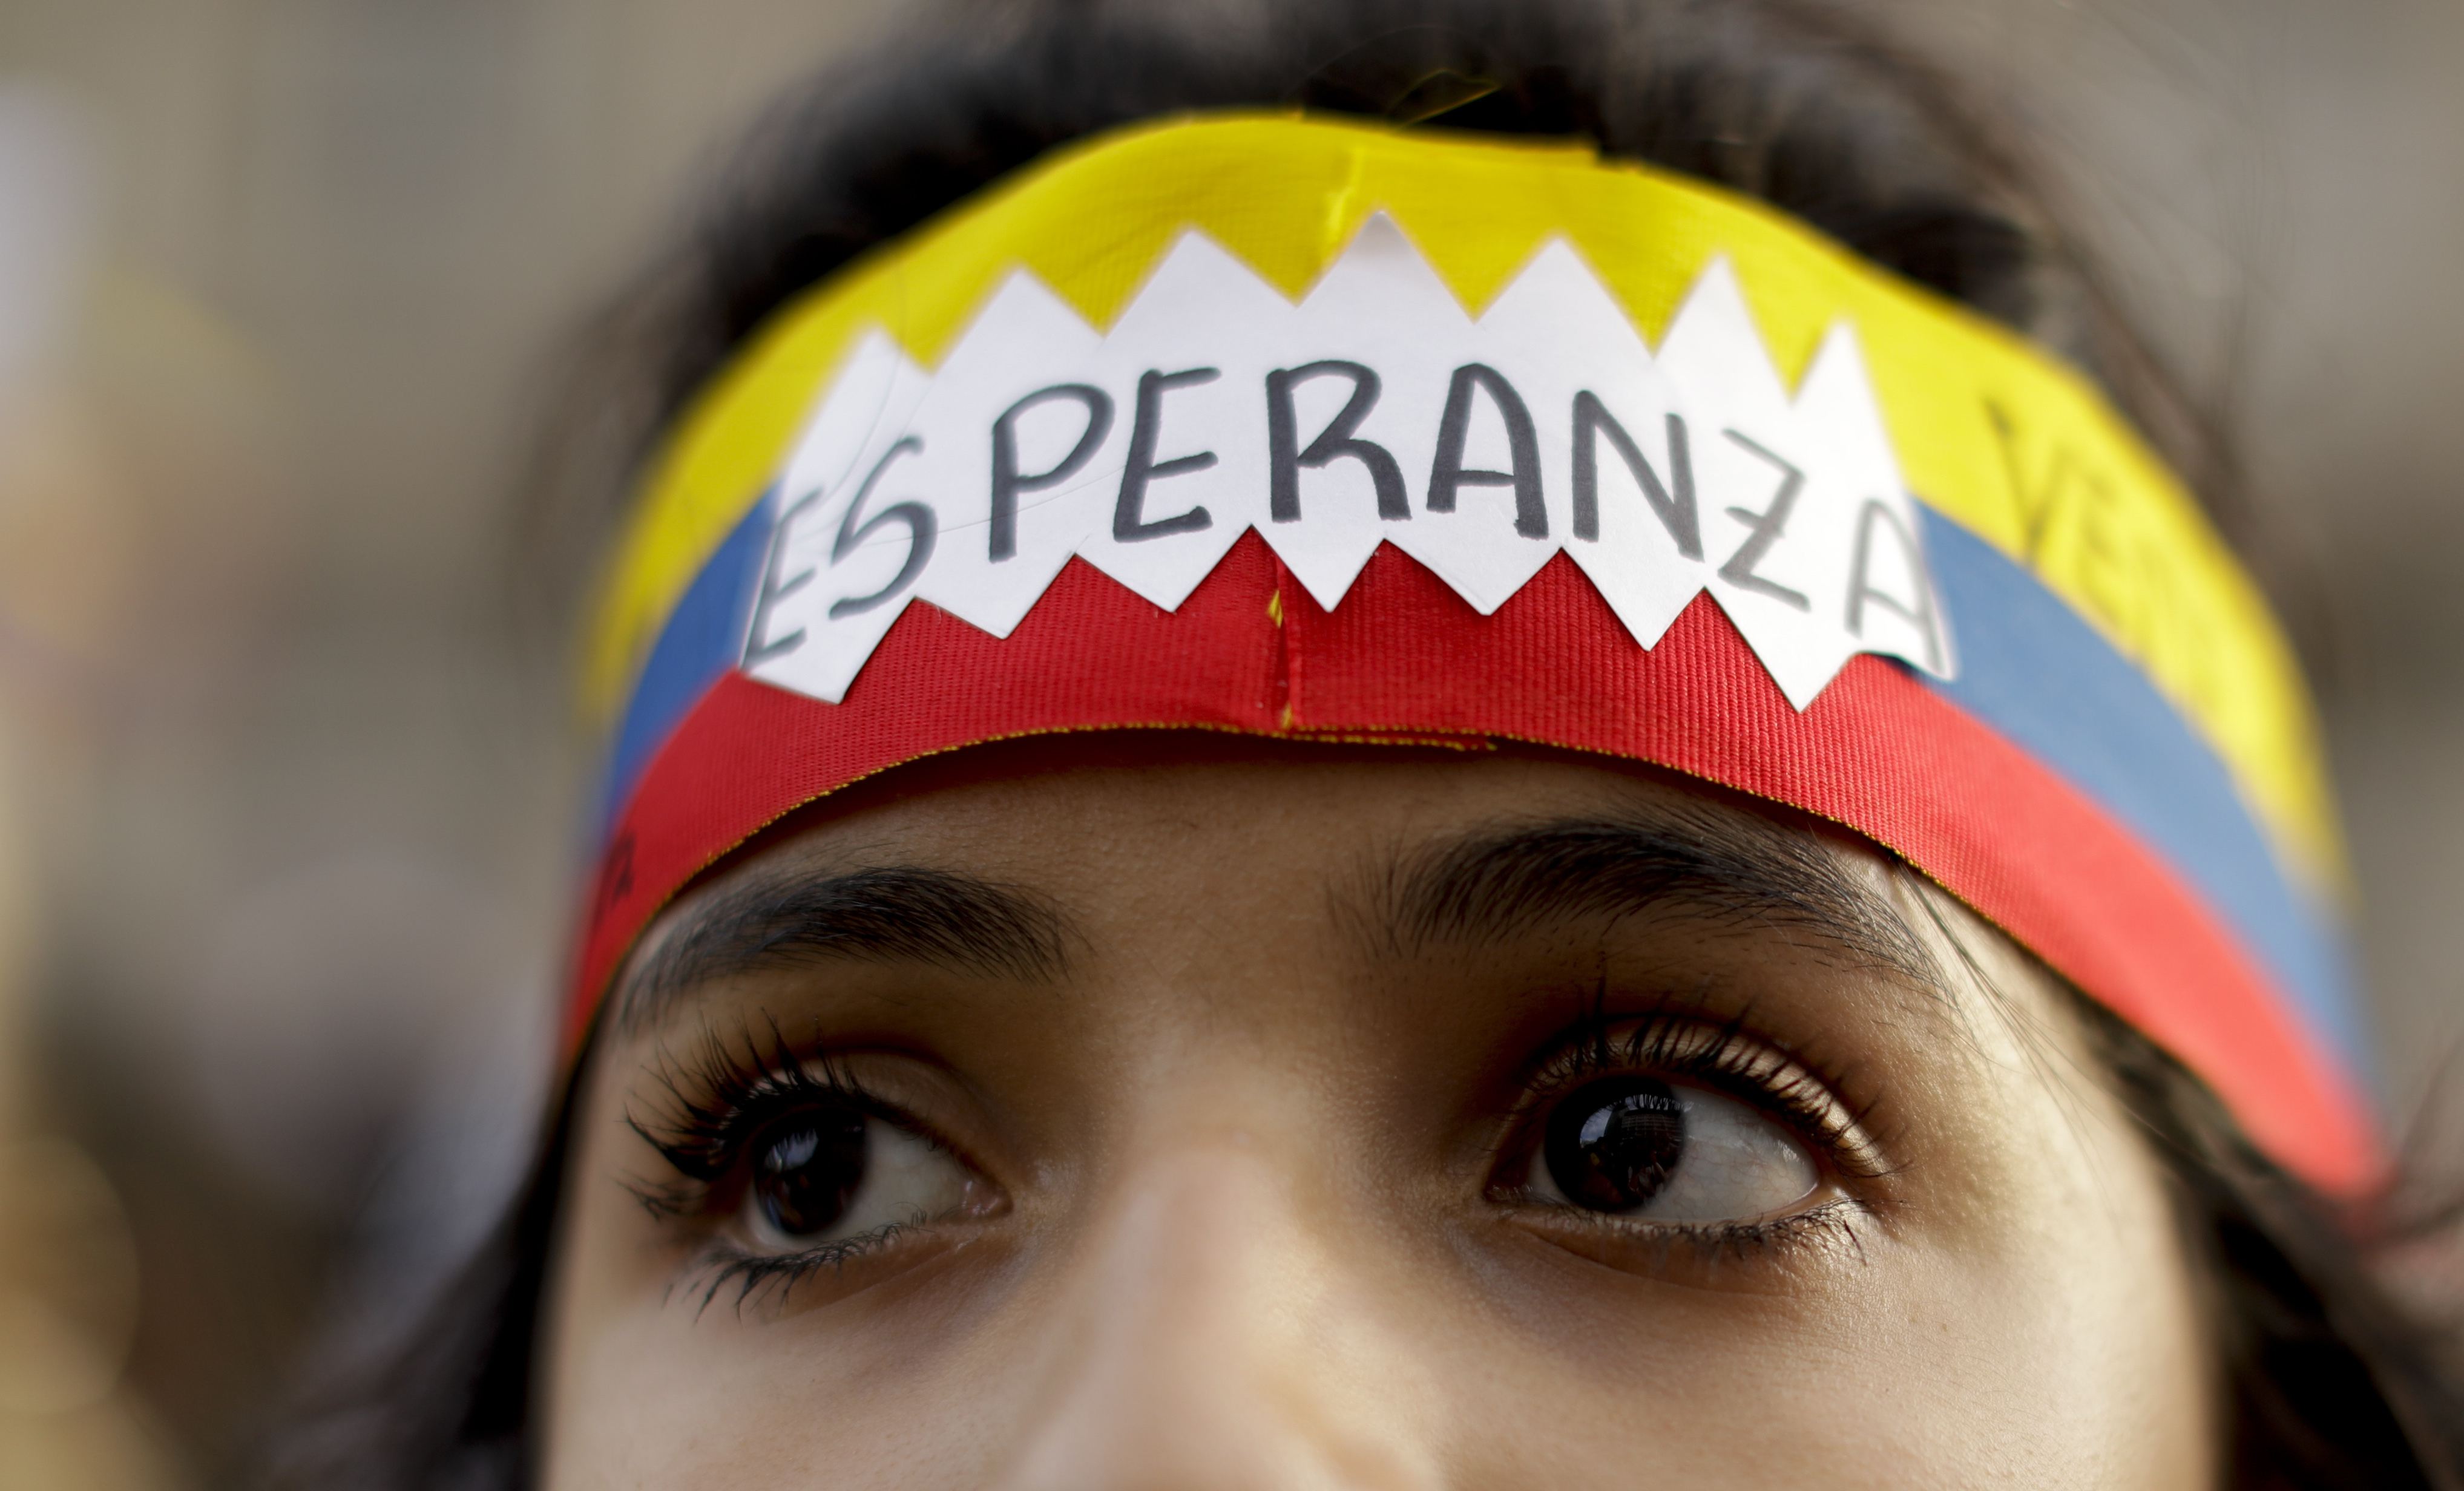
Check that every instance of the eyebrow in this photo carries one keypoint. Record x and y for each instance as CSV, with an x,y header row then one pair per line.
x,y
883,914
1721,868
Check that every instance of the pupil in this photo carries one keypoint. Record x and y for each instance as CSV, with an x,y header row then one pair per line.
x,y
1611,1147
809,1170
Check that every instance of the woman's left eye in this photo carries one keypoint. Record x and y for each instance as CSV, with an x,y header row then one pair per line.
x,y
1637,1146
823,1174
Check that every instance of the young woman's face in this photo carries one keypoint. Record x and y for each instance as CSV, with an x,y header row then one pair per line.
x,y
1168,1115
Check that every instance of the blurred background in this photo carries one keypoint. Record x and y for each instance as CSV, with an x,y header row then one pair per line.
x,y
287,799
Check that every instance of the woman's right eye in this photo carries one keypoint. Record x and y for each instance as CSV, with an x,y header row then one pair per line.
x,y
822,1175
1634,1144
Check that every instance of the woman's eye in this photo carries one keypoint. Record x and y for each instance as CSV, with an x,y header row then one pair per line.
x,y
1636,1145
825,1175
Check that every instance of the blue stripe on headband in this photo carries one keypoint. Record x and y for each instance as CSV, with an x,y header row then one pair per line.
x,y
2036,672
701,640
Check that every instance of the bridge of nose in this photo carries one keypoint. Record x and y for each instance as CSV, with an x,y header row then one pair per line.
x,y
1221,1333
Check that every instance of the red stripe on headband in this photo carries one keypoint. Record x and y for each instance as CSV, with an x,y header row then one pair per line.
x,y
1404,655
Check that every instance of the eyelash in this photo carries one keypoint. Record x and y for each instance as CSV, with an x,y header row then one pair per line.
x,y
1725,1059
719,1101
726,1095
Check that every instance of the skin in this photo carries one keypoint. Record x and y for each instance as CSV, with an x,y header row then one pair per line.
x,y
1249,1199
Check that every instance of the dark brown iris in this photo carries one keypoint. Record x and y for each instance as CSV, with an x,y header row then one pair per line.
x,y
808,1169
1613,1145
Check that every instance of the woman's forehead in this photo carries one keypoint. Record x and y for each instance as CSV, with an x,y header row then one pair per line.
x,y
1020,803
1014,864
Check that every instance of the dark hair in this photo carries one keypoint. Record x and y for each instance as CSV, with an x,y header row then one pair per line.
x,y
2333,1382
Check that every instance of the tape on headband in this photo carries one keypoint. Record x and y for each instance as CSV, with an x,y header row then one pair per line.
x,y
1316,431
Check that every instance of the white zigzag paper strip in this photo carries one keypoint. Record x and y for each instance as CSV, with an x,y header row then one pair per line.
x,y
1376,409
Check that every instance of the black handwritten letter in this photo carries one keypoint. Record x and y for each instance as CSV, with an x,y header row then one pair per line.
x,y
1447,475
1766,525
1677,513
1008,482
855,528
1860,587
1129,514
758,647
1286,458
2036,502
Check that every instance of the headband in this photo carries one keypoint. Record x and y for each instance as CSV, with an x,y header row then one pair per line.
x,y
1311,430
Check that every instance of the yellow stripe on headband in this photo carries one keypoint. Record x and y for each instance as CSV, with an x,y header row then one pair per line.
x,y
1987,428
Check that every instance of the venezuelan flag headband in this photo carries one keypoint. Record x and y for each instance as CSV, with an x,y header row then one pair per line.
x,y
1303,430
